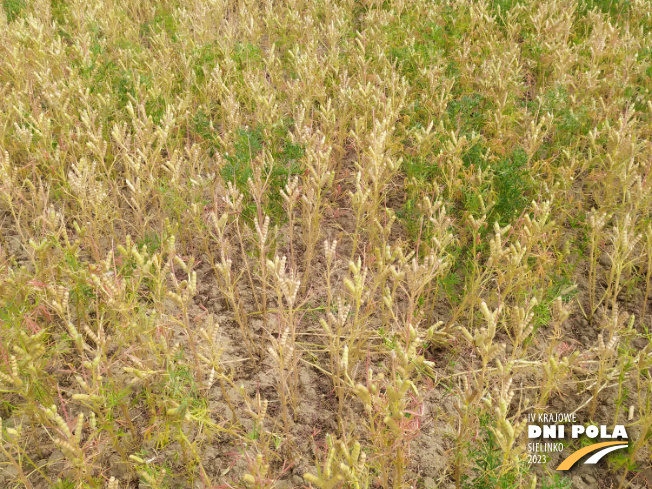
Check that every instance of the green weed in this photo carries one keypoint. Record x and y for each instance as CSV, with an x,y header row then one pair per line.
x,y
13,8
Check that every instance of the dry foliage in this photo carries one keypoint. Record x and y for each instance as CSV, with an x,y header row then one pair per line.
x,y
333,244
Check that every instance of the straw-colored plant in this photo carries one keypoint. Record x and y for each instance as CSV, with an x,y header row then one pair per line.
x,y
228,228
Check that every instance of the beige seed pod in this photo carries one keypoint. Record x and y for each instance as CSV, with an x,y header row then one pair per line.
x,y
211,379
312,479
78,428
14,366
148,478
52,414
6,379
67,447
92,335
344,359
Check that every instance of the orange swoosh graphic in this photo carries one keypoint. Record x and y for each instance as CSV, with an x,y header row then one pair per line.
x,y
571,459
